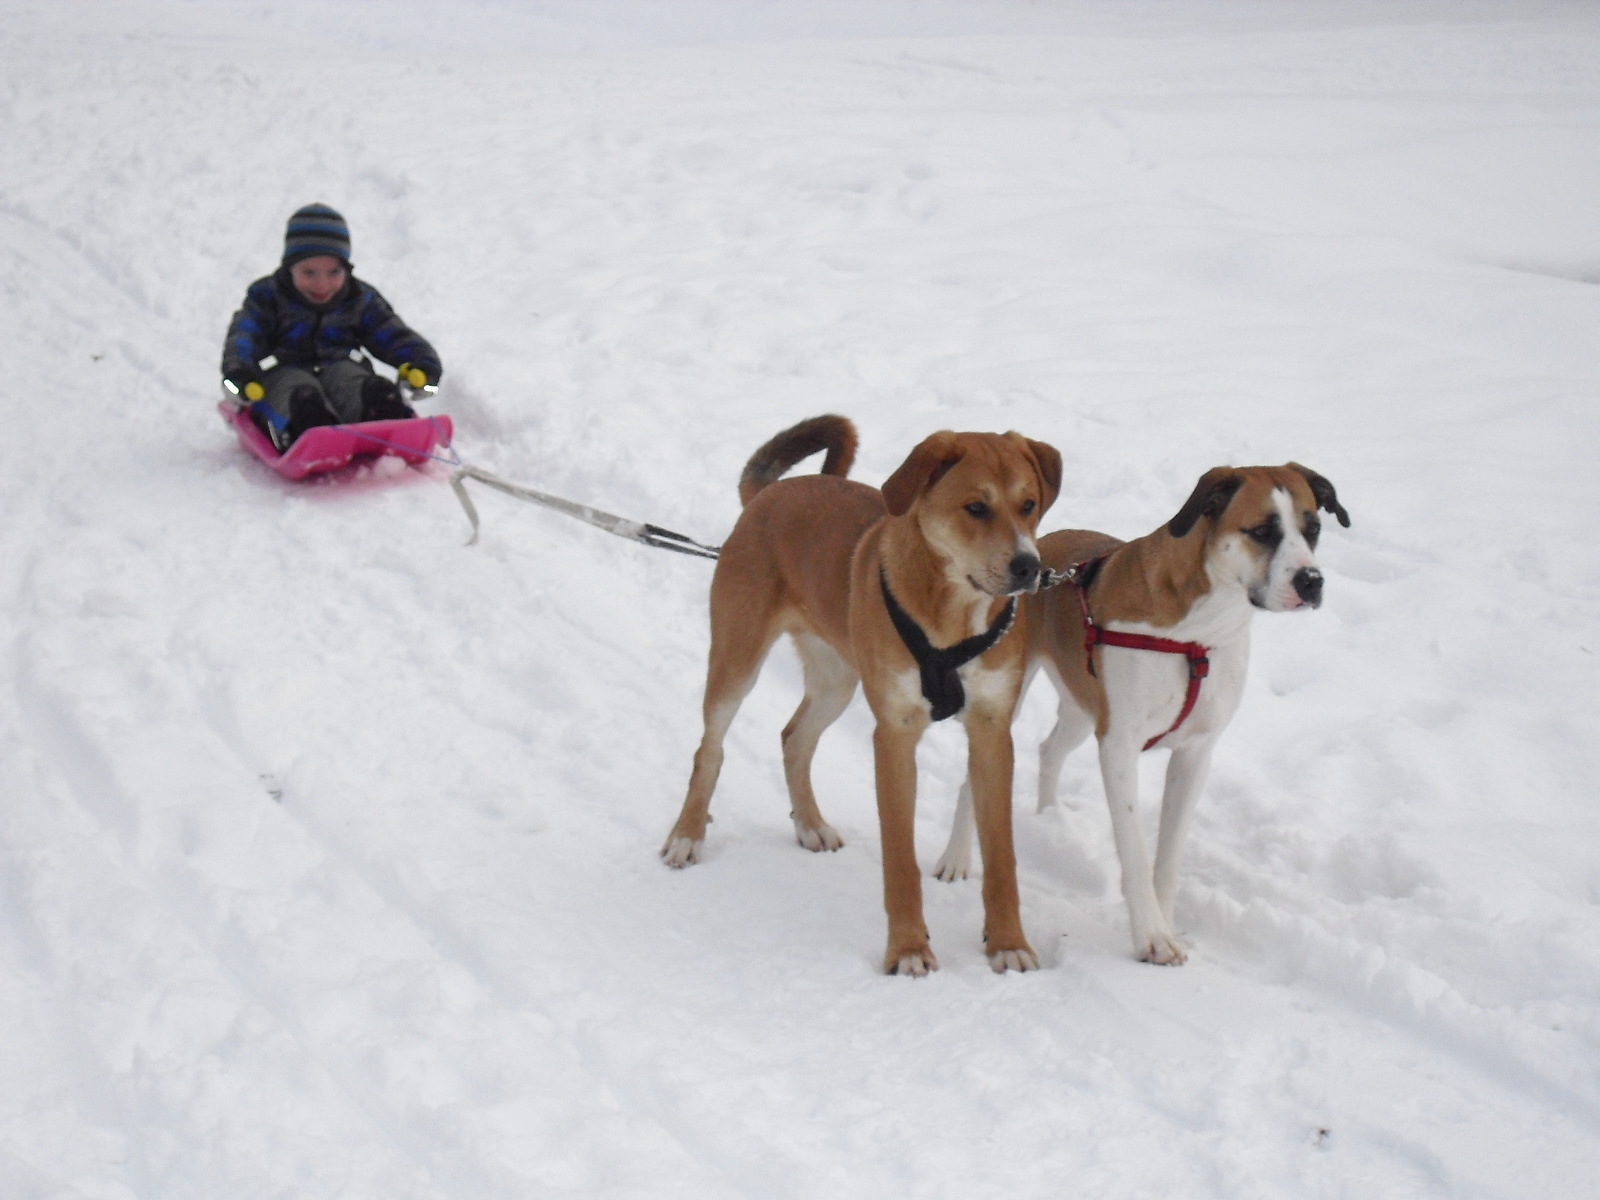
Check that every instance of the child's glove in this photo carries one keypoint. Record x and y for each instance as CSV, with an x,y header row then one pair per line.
x,y
415,376
249,388
417,379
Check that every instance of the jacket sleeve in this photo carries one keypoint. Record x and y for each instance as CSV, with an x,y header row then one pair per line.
x,y
391,340
250,333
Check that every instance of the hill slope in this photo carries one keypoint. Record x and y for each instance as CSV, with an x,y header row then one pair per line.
x,y
328,846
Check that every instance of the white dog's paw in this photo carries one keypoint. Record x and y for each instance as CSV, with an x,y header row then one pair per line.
x,y
1164,949
1023,959
681,851
823,837
955,863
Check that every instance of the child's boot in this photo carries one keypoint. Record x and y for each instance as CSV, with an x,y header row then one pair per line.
x,y
380,401
307,408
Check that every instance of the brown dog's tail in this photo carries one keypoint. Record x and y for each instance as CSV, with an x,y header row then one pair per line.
x,y
834,434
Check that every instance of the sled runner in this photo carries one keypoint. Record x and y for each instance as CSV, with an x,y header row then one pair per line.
x,y
329,447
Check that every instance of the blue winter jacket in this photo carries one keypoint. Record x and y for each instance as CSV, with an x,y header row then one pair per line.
x,y
277,321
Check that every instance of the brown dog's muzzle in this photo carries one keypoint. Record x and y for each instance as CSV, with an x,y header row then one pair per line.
x,y
1024,571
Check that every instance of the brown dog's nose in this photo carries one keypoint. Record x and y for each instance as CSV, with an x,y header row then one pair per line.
x,y
1024,572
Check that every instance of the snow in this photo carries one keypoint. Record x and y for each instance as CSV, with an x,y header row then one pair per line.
x,y
328,845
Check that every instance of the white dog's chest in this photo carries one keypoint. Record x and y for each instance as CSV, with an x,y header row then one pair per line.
x,y
1146,689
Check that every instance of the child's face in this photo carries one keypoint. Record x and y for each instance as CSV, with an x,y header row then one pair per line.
x,y
318,279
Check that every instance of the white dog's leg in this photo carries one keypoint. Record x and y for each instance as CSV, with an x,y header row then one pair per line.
x,y
1186,775
1153,938
1072,726
956,861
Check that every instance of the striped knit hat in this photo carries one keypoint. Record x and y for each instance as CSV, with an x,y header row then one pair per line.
x,y
313,230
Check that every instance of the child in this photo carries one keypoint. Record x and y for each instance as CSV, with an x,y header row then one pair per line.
x,y
314,317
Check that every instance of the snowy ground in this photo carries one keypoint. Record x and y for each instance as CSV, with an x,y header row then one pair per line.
x,y
328,846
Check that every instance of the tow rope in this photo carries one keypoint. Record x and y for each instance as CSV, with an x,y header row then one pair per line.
x,y
634,531
1081,575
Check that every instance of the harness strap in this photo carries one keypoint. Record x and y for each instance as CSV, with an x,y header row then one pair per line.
x,y
1081,575
941,681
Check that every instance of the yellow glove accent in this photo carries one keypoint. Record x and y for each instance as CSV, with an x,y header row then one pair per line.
x,y
415,376
254,391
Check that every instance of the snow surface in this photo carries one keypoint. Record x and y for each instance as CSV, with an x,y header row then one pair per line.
x,y
328,846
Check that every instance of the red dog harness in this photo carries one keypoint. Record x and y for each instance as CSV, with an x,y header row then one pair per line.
x,y
1080,575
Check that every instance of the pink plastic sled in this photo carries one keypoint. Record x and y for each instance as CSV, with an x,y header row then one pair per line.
x,y
329,447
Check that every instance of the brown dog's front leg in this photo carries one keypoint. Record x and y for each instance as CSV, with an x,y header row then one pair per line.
x,y
895,761
989,767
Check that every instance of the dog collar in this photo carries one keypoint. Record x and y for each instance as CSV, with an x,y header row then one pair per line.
x,y
941,682
1081,576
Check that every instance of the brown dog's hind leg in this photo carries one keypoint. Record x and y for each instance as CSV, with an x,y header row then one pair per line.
x,y
737,652
830,686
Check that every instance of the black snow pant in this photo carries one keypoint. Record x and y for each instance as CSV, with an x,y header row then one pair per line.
x,y
331,393
338,384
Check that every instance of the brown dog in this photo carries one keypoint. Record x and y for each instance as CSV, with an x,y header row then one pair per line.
x,y
1147,646
857,577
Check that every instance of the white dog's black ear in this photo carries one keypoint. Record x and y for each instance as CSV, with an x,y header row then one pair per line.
x,y
1210,498
1327,498
923,468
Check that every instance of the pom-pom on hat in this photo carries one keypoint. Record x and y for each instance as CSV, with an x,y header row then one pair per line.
x,y
313,230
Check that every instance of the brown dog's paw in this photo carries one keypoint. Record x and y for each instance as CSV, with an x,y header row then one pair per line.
x,y
1021,959
681,851
822,837
914,962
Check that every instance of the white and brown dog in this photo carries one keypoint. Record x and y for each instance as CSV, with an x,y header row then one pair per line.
x,y
1147,643
910,591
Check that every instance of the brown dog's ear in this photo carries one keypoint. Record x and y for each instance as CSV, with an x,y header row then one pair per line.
x,y
1210,498
1048,459
925,466
1327,498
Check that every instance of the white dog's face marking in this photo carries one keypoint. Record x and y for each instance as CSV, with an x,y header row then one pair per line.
x,y
1261,528
1266,541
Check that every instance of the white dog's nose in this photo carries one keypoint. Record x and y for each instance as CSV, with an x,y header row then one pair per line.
x,y
1308,586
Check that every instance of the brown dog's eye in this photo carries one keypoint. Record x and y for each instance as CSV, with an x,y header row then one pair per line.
x,y
978,510
1027,508
1313,531
1266,533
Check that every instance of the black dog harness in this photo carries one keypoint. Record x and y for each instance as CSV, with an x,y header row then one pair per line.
x,y
941,684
